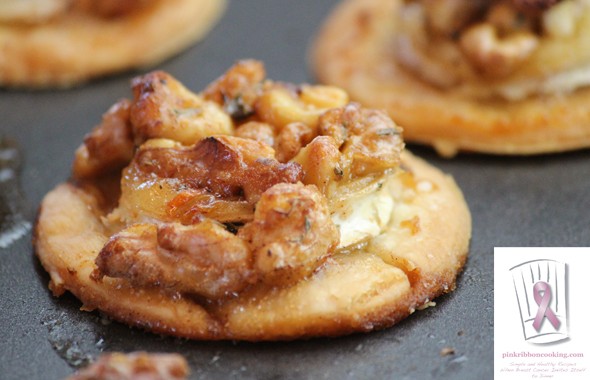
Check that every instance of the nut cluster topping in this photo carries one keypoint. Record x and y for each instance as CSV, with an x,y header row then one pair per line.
x,y
446,41
233,186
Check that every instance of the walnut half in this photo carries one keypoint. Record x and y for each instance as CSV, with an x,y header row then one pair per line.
x,y
494,56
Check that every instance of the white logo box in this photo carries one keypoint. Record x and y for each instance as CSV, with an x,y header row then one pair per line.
x,y
522,352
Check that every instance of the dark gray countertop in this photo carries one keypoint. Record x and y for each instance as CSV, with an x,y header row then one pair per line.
x,y
537,201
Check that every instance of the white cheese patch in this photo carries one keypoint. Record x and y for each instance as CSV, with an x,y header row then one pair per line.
x,y
363,216
559,83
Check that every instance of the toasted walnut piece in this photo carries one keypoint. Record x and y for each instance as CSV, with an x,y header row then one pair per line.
x,y
348,121
448,17
494,56
202,258
238,88
323,96
164,108
217,175
292,233
224,165
145,196
331,124
438,72
321,163
377,148
368,139
280,105
258,131
436,60
108,147
354,144
291,139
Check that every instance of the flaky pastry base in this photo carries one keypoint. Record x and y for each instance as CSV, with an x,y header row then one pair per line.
x,y
75,47
354,50
416,258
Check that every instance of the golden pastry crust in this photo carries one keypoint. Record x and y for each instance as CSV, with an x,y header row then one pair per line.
x,y
151,253
362,291
356,51
84,42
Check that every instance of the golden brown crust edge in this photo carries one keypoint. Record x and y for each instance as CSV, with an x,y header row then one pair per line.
x,y
356,292
354,51
75,47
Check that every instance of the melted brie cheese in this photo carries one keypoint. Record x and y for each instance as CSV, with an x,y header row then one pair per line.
x,y
364,214
560,83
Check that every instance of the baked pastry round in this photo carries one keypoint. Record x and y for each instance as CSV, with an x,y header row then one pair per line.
x,y
60,43
504,77
255,210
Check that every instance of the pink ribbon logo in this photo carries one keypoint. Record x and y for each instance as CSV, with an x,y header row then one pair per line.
x,y
543,302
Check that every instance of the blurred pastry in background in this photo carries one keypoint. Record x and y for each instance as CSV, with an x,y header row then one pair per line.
x,y
135,366
503,76
61,43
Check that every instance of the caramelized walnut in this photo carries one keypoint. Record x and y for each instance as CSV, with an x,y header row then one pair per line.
x,y
448,42
164,108
255,130
222,165
322,163
291,139
109,147
221,177
495,56
238,88
290,236
368,139
202,258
